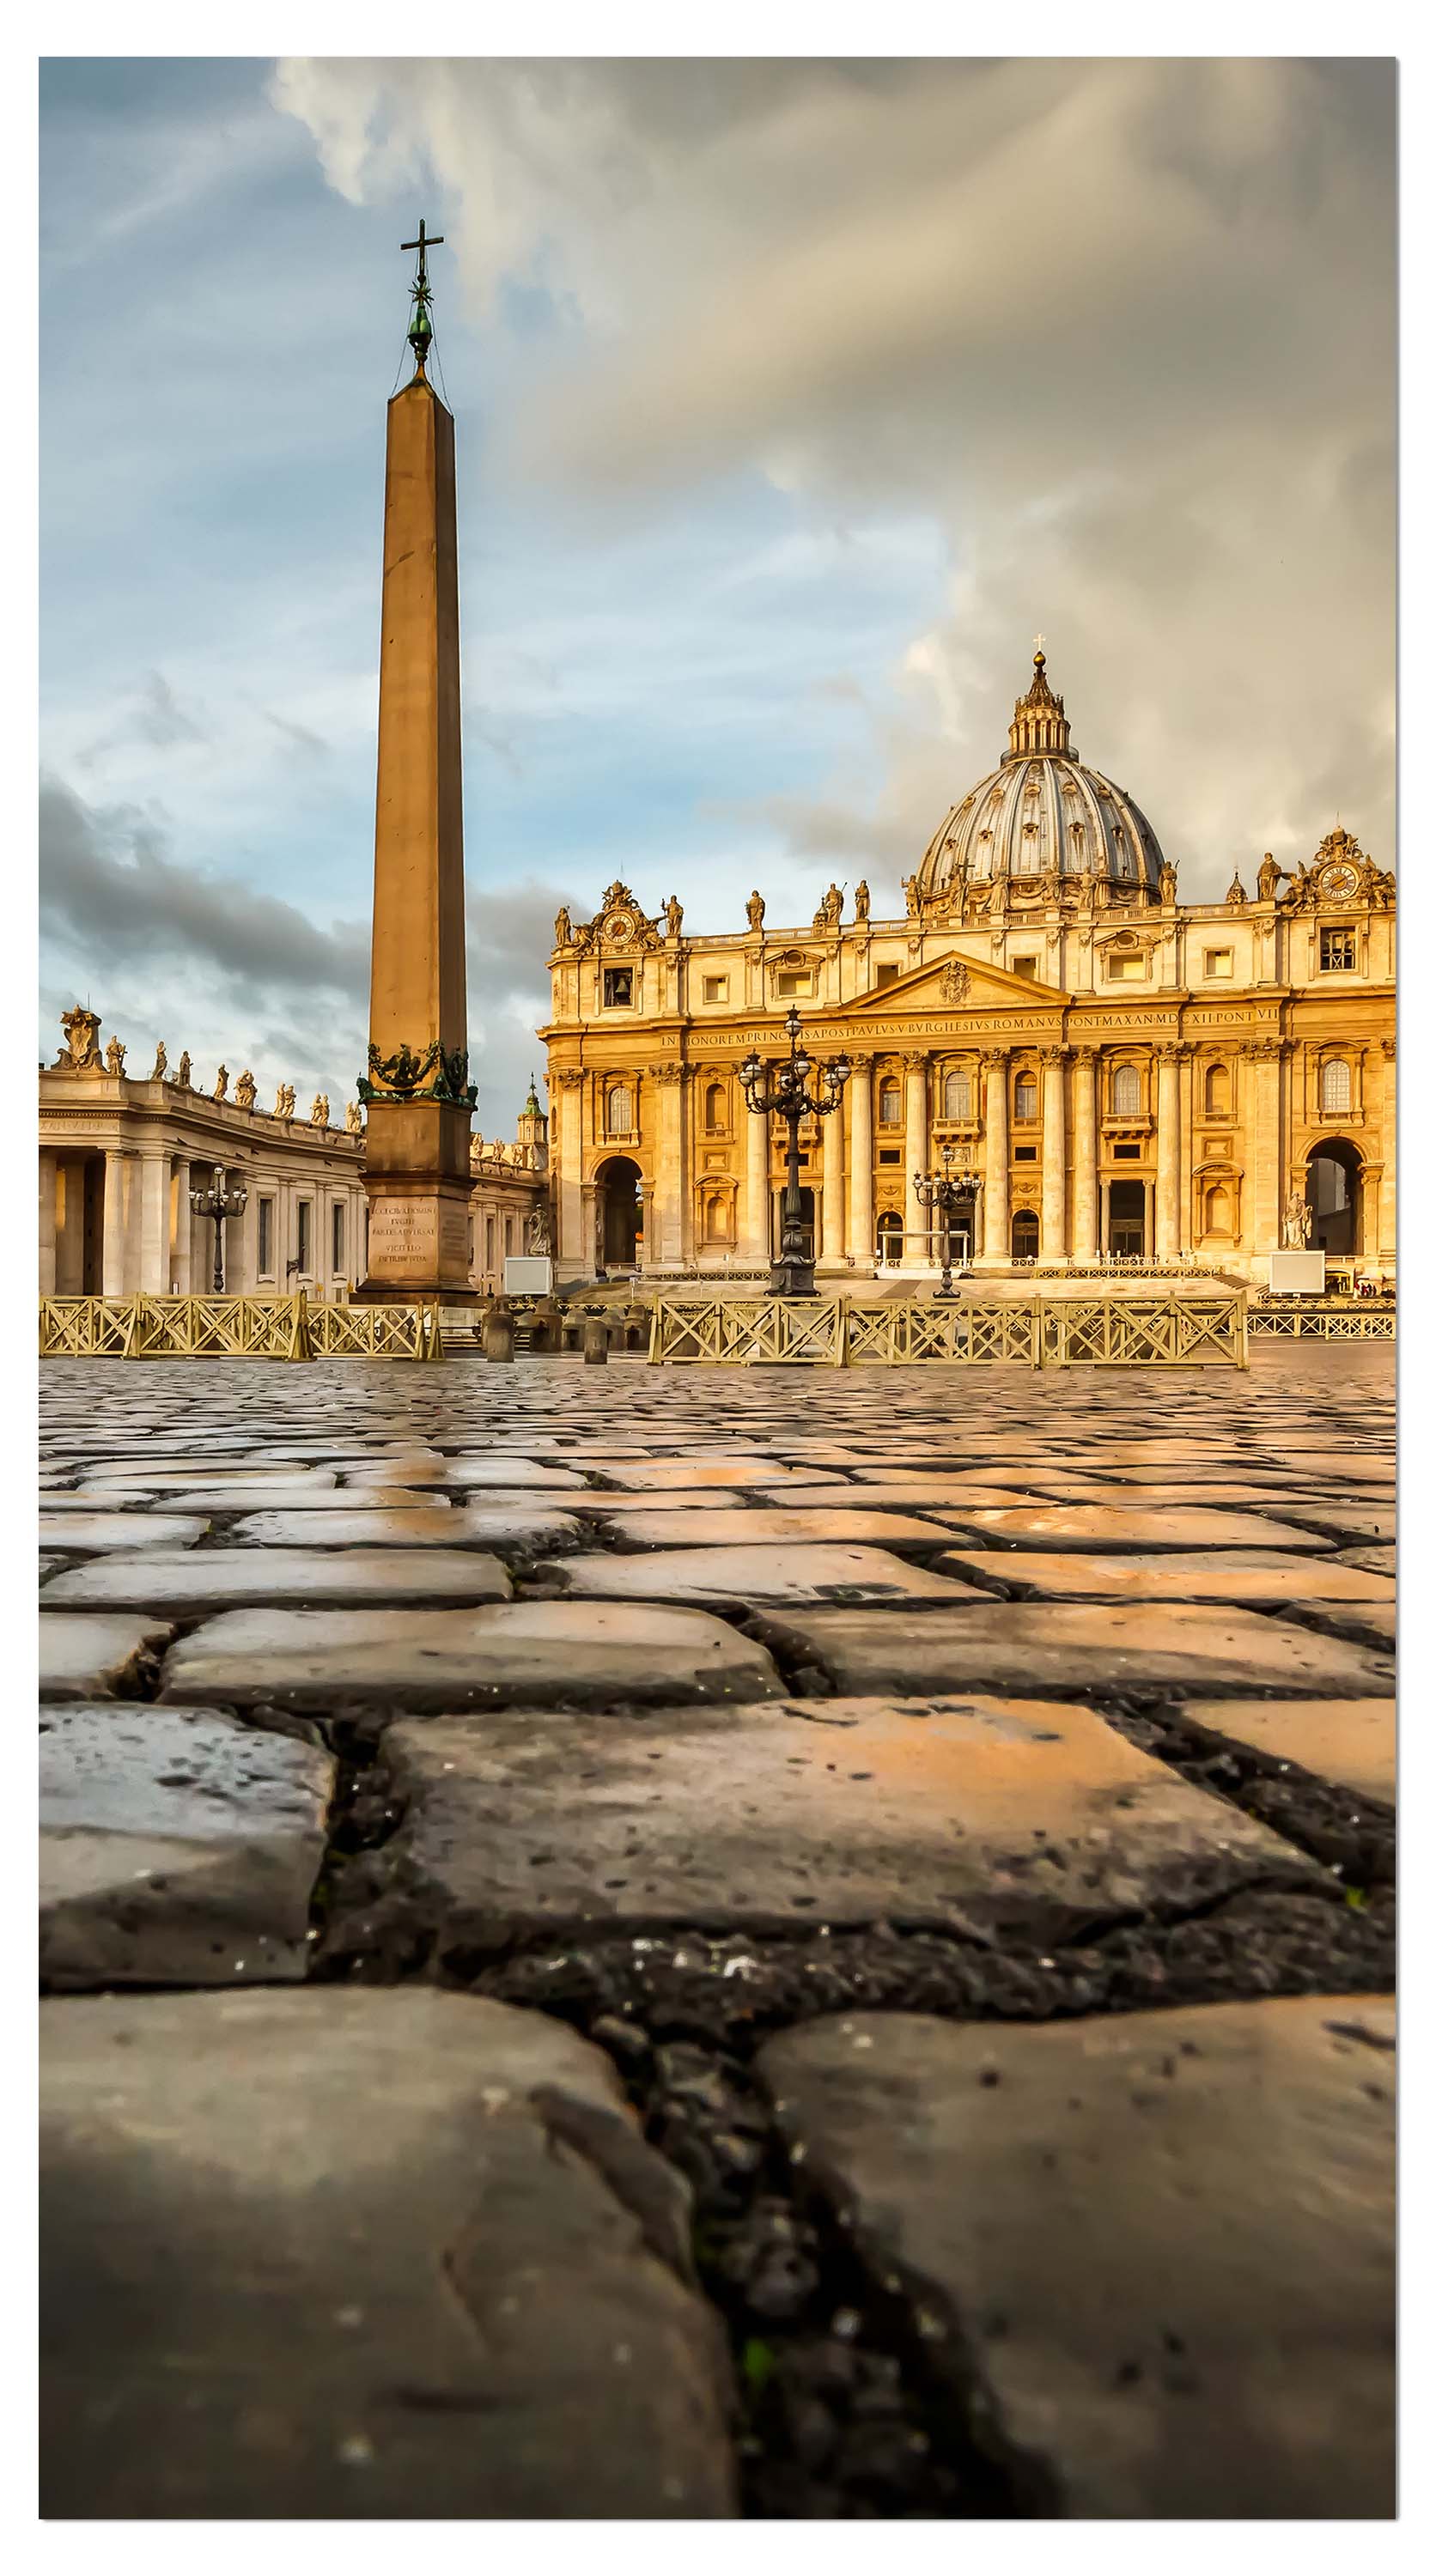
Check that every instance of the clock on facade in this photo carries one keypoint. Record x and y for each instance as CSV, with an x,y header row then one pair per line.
x,y
1339,881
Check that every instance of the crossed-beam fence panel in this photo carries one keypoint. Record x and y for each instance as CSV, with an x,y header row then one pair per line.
x,y
1355,1323
963,1332
277,1328
1145,1332
749,1331
1127,1332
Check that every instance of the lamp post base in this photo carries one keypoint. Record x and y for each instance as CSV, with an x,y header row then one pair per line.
x,y
791,1277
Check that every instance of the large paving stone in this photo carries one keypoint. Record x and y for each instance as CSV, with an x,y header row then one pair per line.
x,y
354,2255
1090,1526
1073,1647
740,1575
178,1473
1349,1741
226,1578
1374,1560
177,1847
526,1527
93,1533
914,1493
86,1657
1355,1523
663,1525
521,1654
1030,1820
1160,2246
509,1472
658,1474
1216,1574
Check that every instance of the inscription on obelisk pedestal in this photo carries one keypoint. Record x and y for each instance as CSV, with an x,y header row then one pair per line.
x,y
417,1084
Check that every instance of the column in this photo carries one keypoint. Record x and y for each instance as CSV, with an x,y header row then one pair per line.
x,y
915,1246
1169,1154
1264,1128
1084,1154
154,1223
47,1224
672,1165
858,1120
834,1234
1054,1156
181,1218
570,1170
997,1226
756,1243
1385,1245
113,1269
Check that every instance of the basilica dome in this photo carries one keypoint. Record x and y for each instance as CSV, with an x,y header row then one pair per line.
x,y
1041,813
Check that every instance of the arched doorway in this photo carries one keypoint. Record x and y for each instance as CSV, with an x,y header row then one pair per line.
x,y
1025,1235
1333,1194
619,1214
890,1238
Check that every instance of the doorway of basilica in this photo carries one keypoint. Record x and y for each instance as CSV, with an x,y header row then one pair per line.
x,y
1333,1194
1127,1219
619,1215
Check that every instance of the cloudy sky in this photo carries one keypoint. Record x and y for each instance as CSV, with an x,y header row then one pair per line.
x,y
793,399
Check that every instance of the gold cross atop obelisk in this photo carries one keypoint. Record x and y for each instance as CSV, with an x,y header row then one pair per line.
x,y
421,328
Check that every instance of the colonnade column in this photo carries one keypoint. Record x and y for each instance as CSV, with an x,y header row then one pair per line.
x,y
178,1215
859,1123
1054,1155
833,1211
997,1209
915,1216
757,1237
113,1260
47,1225
154,1223
1084,1154
1169,1153
570,1167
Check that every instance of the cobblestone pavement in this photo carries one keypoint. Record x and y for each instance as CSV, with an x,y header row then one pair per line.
x,y
682,1943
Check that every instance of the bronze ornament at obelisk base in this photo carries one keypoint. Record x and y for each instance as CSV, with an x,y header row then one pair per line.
x,y
416,1089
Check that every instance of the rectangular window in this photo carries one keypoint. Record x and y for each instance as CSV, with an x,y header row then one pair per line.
x,y
1025,966
889,1153
793,984
1126,970
266,1238
1024,1153
336,1248
885,975
1338,951
618,988
302,1215
1217,964
715,988
1126,1153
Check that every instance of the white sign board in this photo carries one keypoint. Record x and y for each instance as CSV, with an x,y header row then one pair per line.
x,y
527,1274
1297,1274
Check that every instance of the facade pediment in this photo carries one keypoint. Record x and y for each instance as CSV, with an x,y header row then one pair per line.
x,y
958,983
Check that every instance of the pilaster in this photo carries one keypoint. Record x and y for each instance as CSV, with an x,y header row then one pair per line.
x,y
916,1247
1054,1155
997,1226
1084,1154
859,1123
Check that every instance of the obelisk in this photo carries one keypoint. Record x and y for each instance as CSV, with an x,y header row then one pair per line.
x,y
417,1089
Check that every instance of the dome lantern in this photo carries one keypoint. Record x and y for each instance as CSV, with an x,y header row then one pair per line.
x,y
1039,725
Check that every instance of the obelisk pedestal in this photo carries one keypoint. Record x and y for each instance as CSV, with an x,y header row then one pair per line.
x,y
417,1091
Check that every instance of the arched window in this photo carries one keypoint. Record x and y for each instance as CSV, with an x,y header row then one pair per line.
x,y
1336,1087
1025,1235
1024,1098
1219,1091
957,1096
619,1108
715,1109
889,1103
890,1236
1126,1092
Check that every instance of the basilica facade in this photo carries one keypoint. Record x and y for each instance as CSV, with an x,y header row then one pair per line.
x,y
1114,1077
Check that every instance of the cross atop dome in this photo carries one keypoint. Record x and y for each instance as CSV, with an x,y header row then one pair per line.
x,y
1038,722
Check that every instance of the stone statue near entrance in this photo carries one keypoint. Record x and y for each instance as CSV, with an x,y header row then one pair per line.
x,y
1269,877
540,1230
756,910
563,928
1167,882
1296,1223
673,916
862,900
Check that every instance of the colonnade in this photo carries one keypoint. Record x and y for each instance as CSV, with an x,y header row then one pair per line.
x,y
116,1221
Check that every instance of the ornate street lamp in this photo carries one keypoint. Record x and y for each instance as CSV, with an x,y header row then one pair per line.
x,y
943,1190
781,1091
218,1202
